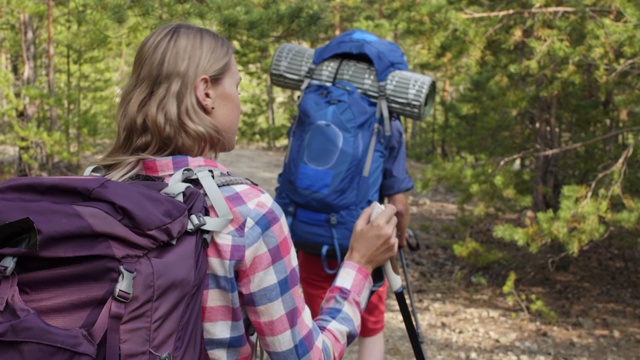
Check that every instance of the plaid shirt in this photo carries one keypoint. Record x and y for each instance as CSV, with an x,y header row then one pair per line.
x,y
253,274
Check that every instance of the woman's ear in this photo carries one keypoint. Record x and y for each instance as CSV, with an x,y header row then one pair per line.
x,y
204,93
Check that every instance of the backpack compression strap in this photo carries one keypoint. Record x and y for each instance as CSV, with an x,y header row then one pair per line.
x,y
383,108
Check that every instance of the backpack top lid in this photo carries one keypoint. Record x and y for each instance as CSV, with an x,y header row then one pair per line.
x,y
386,56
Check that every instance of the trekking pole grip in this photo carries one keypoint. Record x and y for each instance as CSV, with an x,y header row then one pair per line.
x,y
391,266
391,272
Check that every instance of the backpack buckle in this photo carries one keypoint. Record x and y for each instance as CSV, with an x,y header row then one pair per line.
x,y
197,221
188,174
124,287
7,265
333,219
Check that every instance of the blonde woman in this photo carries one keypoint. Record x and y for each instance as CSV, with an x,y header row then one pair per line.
x,y
181,108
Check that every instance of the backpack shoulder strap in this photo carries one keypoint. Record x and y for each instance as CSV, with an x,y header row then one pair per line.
x,y
210,179
93,170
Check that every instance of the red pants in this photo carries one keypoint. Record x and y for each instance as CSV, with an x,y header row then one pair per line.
x,y
315,283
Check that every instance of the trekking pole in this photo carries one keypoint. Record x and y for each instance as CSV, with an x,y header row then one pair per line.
x,y
413,305
390,270
392,274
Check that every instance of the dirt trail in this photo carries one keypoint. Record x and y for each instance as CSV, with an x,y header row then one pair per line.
x,y
469,322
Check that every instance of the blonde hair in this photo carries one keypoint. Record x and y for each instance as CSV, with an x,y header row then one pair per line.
x,y
159,114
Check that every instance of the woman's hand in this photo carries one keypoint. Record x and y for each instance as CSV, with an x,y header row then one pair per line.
x,y
373,242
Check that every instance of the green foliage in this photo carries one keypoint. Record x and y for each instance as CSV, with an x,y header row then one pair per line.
x,y
576,223
421,144
525,81
257,28
476,253
490,188
479,280
530,304
539,307
580,219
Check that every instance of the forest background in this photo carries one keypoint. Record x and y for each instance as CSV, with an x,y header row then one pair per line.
x,y
534,128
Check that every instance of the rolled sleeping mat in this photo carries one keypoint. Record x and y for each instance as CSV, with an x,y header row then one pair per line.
x,y
408,94
325,72
289,65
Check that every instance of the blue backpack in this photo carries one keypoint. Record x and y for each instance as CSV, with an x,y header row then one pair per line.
x,y
337,147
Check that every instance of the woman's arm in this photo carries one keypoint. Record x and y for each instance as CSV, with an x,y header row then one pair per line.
x,y
270,285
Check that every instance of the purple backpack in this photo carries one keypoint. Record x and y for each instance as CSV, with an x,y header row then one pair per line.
x,y
97,269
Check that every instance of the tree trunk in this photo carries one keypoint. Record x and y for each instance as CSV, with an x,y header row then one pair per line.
x,y
545,184
337,27
607,110
53,111
78,123
27,166
270,113
4,66
67,123
414,130
445,113
552,181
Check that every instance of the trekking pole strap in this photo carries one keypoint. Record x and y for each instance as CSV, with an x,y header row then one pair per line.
x,y
412,240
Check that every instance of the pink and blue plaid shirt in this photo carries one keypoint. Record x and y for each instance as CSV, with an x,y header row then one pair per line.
x,y
253,274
